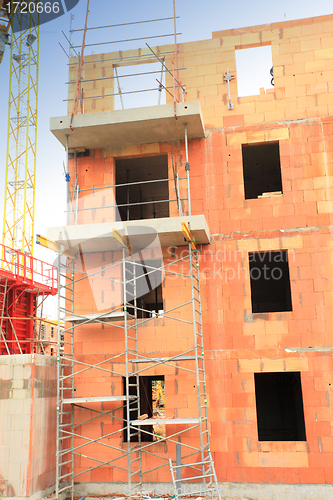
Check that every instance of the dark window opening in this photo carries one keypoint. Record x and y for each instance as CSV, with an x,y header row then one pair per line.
x,y
270,281
80,154
147,289
152,405
139,199
261,169
279,402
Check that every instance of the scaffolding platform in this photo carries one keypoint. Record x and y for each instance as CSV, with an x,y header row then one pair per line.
x,y
98,399
165,421
98,318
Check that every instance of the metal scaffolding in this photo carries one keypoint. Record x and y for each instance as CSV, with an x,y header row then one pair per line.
x,y
106,426
79,90
129,440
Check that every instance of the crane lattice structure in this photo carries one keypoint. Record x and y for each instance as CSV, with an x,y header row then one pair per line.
x,y
19,208
24,281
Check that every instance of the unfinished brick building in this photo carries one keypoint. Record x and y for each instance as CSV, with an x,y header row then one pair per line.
x,y
260,209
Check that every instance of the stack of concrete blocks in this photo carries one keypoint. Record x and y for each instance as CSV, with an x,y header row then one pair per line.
x,y
28,425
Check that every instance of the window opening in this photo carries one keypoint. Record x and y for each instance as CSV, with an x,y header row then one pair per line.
x,y
254,68
279,403
137,86
152,404
148,283
270,281
137,198
261,170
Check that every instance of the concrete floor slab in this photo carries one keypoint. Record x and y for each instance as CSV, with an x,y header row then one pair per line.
x,y
98,237
126,127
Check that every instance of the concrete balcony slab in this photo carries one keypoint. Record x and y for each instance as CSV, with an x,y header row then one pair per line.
x,y
127,127
98,237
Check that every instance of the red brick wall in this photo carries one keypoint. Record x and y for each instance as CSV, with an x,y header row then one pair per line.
x,y
238,343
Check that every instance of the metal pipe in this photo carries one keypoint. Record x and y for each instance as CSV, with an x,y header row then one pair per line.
x,y
111,95
161,86
126,40
176,48
180,85
77,203
67,180
141,207
125,24
187,168
178,471
130,184
128,196
139,56
180,208
132,204
122,76
119,88
75,187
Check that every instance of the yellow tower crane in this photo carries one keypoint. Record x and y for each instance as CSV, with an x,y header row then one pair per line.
x,y
19,208
24,281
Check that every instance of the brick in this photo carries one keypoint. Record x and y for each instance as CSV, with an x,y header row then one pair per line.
x,y
292,242
239,138
325,206
249,365
315,66
233,121
277,134
296,459
277,327
272,459
289,48
266,341
306,45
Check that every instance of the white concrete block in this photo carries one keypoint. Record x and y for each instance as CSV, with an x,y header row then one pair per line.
x,y
19,454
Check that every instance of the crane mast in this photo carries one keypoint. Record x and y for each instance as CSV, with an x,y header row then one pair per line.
x,y
25,281
19,207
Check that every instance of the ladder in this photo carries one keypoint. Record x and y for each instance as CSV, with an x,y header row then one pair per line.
x,y
185,470
65,381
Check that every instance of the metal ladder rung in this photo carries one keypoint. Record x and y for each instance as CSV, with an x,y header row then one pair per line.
x,y
66,298
67,462
65,488
65,475
204,462
196,477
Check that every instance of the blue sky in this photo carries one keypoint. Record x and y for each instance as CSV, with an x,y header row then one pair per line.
x,y
197,21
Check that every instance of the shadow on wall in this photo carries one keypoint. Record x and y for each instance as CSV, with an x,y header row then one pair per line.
x,y
6,489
